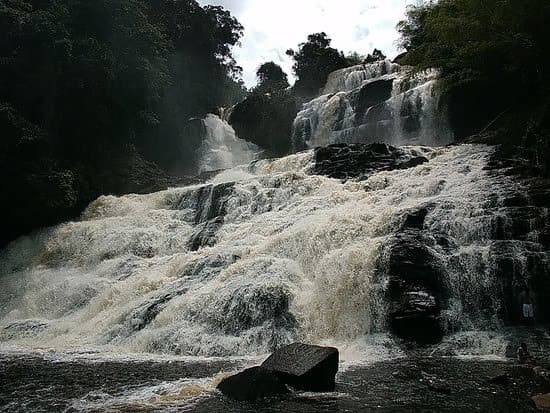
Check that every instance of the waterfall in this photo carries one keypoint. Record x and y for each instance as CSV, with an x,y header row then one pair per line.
x,y
259,256
376,102
221,148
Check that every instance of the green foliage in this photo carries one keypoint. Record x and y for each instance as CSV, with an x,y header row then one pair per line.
x,y
313,62
470,39
93,91
494,55
203,76
355,59
266,119
271,77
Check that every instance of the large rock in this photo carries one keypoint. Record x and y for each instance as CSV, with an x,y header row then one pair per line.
x,y
305,367
266,120
205,235
542,401
252,384
416,289
417,318
370,95
359,161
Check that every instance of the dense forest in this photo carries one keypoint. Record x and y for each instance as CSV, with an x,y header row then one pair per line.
x,y
494,58
95,96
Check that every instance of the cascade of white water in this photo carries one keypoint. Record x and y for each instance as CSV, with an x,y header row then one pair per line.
x,y
351,78
221,148
350,111
295,257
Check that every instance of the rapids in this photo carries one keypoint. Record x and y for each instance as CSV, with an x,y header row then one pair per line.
x,y
259,256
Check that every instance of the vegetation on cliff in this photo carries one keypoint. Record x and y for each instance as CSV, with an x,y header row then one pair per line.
x,y
266,116
95,96
494,59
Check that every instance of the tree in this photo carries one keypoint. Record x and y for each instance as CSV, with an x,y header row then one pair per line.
x,y
271,78
376,56
469,39
313,62
203,73
92,91
355,59
494,57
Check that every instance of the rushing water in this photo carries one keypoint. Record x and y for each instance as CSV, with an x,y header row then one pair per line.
x,y
47,384
147,301
377,102
221,148
257,257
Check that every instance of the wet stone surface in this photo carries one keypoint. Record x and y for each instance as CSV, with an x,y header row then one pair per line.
x,y
359,161
419,384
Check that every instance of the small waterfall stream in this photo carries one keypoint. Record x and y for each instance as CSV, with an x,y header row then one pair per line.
x,y
221,148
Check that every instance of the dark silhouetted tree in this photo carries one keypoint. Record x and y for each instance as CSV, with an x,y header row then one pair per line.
x,y
376,56
271,77
313,62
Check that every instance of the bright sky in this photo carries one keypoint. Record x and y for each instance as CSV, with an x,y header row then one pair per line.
x,y
273,26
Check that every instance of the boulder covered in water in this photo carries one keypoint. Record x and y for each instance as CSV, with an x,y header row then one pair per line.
x,y
305,367
252,384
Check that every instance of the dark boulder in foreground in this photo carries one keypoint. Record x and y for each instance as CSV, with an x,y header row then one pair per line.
x,y
305,367
301,366
252,384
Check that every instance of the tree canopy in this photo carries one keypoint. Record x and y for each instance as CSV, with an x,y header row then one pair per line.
x,y
468,39
494,57
313,62
95,95
271,77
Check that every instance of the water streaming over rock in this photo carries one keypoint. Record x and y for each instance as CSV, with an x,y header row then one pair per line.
x,y
221,148
264,255
376,102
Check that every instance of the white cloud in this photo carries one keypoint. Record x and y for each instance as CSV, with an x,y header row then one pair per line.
x,y
272,27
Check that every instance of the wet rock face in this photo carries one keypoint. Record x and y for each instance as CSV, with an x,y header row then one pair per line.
x,y
305,367
358,161
370,95
416,318
205,235
521,244
252,384
208,204
416,287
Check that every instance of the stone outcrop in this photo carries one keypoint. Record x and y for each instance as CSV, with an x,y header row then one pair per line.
x,y
415,289
252,384
370,95
359,161
300,366
305,367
